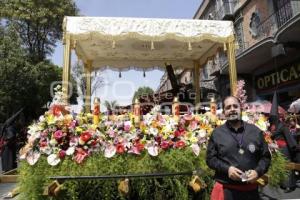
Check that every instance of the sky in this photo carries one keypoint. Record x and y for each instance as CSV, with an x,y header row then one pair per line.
x,y
122,89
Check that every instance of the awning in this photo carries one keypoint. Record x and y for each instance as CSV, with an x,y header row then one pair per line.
x,y
126,43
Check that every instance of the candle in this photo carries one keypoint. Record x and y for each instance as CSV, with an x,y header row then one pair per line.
x,y
213,106
96,111
137,112
175,107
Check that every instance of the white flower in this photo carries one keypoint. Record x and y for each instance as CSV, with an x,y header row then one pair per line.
x,y
152,150
53,159
46,150
110,151
34,130
196,149
32,157
42,118
202,133
53,142
153,131
245,118
70,151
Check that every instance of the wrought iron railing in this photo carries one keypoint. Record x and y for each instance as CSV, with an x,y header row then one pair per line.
x,y
271,24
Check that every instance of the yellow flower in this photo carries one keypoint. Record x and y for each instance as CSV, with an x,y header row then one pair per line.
x,y
193,139
78,130
50,119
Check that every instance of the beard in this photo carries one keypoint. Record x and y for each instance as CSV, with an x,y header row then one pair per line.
x,y
234,116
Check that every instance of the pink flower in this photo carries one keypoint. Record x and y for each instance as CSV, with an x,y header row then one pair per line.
x,y
80,155
126,128
72,124
112,133
58,135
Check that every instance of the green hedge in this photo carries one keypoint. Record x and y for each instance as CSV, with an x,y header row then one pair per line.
x,y
33,179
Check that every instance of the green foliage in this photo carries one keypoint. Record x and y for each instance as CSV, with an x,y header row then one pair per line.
x,y
38,22
22,83
110,106
142,91
34,178
277,171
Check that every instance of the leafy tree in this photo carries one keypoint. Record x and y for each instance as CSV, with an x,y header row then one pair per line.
x,y
110,106
78,81
142,91
38,22
22,83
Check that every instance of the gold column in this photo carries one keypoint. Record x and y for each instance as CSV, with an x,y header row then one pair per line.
x,y
66,67
197,83
88,70
232,66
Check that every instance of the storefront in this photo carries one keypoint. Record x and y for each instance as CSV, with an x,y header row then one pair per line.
x,y
285,80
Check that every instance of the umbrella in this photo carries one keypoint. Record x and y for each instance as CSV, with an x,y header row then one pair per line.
x,y
295,106
263,106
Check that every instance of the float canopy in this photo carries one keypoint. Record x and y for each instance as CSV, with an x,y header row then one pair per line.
x,y
126,43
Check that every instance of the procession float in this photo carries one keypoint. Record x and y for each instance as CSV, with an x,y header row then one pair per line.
x,y
90,155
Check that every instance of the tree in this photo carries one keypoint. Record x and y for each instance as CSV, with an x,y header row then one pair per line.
x,y
142,91
78,81
22,83
38,22
110,106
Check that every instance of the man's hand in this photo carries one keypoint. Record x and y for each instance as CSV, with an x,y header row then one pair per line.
x,y
252,176
234,173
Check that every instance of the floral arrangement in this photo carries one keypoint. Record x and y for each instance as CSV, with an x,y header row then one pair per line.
x,y
240,93
58,134
117,145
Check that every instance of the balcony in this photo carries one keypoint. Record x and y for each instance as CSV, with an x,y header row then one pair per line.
x,y
278,19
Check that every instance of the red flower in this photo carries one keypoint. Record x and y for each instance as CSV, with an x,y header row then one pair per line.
x,y
57,109
62,154
84,137
93,142
180,144
140,146
80,155
164,145
43,143
120,148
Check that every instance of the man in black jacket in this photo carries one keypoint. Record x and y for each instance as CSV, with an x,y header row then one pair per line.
x,y
239,155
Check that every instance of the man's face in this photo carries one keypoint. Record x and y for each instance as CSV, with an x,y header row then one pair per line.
x,y
232,109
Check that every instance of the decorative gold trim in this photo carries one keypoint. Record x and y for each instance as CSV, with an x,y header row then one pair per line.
x,y
232,67
66,67
197,82
88,70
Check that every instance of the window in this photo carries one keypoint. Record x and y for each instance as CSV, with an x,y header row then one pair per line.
x,y
254,24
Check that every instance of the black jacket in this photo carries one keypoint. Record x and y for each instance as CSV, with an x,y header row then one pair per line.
x,y
222,151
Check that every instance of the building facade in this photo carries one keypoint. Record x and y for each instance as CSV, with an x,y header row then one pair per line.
x,y
268,41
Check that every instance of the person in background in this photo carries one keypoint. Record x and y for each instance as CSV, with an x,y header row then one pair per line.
x,y
287,145
239,154
8,135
